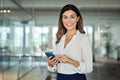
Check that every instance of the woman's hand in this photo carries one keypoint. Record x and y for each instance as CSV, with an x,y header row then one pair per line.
x,y
63,58
66,59
52,61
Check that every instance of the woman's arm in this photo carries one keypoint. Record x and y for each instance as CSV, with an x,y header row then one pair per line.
x,y
86,63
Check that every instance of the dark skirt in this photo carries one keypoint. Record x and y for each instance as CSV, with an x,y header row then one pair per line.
x,y
76,76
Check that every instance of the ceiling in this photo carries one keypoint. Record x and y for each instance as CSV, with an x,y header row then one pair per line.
x,y
47,11
46,4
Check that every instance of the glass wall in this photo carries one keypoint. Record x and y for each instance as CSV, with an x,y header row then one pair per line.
x,y
35,36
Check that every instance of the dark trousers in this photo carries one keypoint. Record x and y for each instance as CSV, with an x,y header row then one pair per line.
x,y
71,76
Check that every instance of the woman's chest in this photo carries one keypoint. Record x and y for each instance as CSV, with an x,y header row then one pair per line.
x,y
72,49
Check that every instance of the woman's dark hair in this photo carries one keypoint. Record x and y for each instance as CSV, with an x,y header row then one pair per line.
x,y
61,29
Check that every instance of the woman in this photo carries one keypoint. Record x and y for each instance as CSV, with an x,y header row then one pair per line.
x,y
73,48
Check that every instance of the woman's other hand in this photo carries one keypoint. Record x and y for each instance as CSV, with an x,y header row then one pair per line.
x,y
66,59
63,58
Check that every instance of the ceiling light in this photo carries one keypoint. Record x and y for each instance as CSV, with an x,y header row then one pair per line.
x,y
8,11
5,11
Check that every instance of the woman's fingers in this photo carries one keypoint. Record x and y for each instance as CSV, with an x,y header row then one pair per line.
x,y
64,59
59,57
52,61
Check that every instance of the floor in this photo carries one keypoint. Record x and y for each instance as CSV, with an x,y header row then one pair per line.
x,y
29,69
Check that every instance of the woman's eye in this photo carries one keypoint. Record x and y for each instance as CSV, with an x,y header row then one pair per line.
x,y
72,17
64,17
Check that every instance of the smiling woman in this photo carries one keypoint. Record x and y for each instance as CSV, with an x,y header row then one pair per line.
x,y
73,48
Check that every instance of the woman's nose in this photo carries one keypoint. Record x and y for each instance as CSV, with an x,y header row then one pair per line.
x,y
69,20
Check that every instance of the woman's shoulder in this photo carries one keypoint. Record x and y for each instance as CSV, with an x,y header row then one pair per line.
x,y
82,36
83,39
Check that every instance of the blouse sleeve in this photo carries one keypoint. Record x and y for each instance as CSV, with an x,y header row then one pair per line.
x,y
52,69
86,64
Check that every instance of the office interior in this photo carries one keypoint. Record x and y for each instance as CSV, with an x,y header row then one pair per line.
x,y
28,29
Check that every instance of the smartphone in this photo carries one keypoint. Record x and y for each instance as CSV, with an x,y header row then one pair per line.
x,y
49,53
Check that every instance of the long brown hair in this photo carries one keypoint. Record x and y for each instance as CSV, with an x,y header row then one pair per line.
x,y
61,29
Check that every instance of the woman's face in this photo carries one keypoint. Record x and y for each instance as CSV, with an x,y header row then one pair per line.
x,y
70,19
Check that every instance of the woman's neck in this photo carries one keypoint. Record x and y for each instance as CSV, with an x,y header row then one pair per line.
x,y
71,33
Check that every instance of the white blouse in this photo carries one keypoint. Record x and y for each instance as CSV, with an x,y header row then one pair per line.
x,y
79,49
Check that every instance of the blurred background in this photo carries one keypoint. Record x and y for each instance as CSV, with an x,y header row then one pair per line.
x,y
28,29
